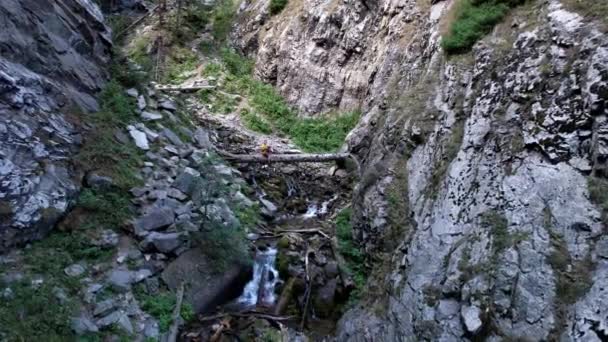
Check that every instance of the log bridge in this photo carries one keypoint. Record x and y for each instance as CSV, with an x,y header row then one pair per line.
x,y
285,158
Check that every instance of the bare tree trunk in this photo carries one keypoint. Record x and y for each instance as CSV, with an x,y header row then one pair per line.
x,y
177,320
179,14
284,158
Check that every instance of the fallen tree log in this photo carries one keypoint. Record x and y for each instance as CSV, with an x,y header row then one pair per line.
x,y
284,158
184,89
245,314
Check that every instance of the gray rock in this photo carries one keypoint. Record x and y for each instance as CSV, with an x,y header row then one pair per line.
x,y
177,194
82,325
186,181
158,218
172,137
167,105
120,280
201,137
8,294
471,315
60,295
132,92
151,116
75,270
208,288
104,307
162,242
151,329
140,138
141,102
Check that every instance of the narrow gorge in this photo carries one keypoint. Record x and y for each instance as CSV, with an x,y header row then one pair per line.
x,y
303,170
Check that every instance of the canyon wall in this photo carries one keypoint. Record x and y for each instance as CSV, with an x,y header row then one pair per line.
x,y
473,202
52,60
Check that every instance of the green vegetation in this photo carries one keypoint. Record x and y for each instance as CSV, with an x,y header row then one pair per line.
x,y
224,245
37,312
473,20
450,151
223,15
352,254
276,6
34,313
248,216
269,112
499,231
109,208
161,307
180,62
598,193
101,150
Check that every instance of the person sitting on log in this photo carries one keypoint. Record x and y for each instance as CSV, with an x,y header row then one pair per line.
x,y
265,149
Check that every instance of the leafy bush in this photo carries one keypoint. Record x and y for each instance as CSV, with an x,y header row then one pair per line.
x,y
350,251
236,64
108,207
161,307
255,123
35,314
322,134
276,6
224,245
474,19
223,15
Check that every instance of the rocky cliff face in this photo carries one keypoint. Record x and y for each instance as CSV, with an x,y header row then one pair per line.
x,y
474,186
52,55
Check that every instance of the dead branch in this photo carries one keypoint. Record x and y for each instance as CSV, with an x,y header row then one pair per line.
x,y
286,295
258,314
177,320
308,290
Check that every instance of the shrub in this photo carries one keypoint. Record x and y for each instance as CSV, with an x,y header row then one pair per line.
x,y
161,307
276,6
474,19
224,245
323,134
223,15
236,64
349,250
255,123
108,207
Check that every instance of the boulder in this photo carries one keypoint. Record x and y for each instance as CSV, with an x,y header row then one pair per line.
x,y
471,315
97,181
156,219
208,287
83,325
162,242
186,180
324,301
172,137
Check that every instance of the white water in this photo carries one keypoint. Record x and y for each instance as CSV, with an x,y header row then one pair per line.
x,y
260,289
313,209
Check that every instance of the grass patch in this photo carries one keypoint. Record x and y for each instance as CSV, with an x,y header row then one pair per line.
x,y
181,62
255,123
474,19
35,314
351,252
161,307
107,207
276,6
223,15
101,150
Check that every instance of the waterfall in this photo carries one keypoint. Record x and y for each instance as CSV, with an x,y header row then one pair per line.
x,y
260,289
